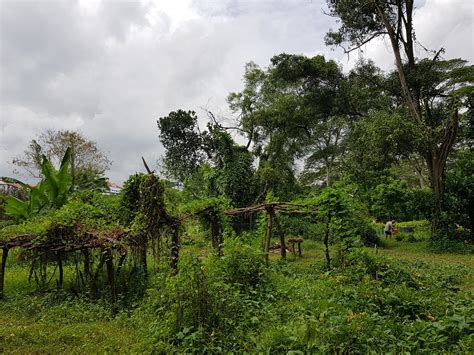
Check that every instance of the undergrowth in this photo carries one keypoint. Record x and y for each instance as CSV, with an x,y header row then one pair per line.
x,y
238,303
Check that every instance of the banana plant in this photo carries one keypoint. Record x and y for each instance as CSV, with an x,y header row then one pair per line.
x,y
19,209
52,191
57,183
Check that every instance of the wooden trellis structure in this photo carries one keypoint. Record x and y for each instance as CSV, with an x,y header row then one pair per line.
x,y
62,240
272,209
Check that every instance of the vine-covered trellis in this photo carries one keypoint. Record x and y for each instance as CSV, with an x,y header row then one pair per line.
x,y
213,215
60,241
272,210
150,224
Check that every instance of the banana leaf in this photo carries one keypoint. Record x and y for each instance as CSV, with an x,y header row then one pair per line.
x,y
16,208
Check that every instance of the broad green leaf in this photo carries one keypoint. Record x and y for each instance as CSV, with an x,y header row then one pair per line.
x,y
16,208
38,199
51,178
64,178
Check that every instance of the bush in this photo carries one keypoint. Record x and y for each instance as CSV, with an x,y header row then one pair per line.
x,y
242,265
208,305
458,202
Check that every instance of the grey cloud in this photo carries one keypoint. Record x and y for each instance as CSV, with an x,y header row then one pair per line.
x,y
112,73
118,16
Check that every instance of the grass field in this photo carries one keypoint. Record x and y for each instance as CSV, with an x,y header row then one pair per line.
x,y
59,322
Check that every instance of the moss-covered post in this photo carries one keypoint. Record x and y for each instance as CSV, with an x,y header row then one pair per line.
x,y
123,256
268,234
143,256
109,261
281,235
2,270
326,242
61,271
216,233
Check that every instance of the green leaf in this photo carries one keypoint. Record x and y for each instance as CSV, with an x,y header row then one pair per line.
x,y
16,208
64,179
51,179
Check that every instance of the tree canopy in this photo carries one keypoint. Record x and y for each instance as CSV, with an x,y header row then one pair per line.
x,y
88,162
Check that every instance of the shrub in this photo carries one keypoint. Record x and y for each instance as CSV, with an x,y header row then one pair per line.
x,y
242,266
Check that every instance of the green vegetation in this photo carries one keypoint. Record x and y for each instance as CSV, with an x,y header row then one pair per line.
x,y
401,298
209,260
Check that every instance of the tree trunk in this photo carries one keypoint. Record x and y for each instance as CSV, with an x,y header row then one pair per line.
x,y
2,270
436,159
421,180
328,174
123,256
436,172
87,270
413,106
437,154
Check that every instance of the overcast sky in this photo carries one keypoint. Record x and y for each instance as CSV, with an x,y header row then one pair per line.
x,y
111,68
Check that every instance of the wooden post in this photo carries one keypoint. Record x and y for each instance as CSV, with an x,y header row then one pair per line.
x,y
123,256
216,234
282,236
143,256
44,269
2,270
88,272
326,243
299,249
95,275
109,261
60,266
268,234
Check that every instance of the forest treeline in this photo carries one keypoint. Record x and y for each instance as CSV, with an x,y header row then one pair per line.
x,y
308,125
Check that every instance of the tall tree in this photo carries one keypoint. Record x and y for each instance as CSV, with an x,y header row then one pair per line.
x,y
183,142
86,157
208,162
434,91
298,108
